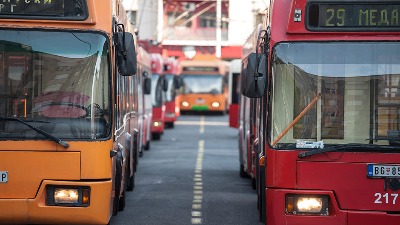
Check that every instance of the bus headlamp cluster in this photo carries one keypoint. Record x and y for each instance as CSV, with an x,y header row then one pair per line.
x,y
215,104
157,124
185,104
307,205
67,196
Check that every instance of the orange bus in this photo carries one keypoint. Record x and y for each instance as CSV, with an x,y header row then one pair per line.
x,y
68,111
326,74
205,86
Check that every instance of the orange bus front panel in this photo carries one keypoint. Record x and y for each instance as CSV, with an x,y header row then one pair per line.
x,y
27,169
203,102
35,211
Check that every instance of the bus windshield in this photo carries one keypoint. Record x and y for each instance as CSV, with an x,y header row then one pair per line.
x,y
56,81
202,84
357,86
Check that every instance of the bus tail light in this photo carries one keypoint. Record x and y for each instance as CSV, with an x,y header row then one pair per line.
x,y
67,196
307,205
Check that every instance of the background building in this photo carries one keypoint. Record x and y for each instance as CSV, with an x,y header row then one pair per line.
x,y
195,29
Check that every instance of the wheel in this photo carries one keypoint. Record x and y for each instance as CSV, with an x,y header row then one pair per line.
x,y
242,173
169,124
261,197
130,180
131,183
121,202
156,136
147,146
117,187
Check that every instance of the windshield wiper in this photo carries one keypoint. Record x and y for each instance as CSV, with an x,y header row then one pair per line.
x,y
44,133
345,147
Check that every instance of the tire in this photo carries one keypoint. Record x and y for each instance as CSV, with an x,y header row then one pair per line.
x,y
156,136
169,124
131,183
121,202
253,183
147,146
261,198
117,188
130,180
242,173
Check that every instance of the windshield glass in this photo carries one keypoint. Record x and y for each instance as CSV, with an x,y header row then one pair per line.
x,y
156,90
56,81
355,85
202,84
170,94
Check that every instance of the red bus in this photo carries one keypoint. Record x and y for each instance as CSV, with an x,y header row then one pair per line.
x,y
172,109
234,92
158,89
68,111
326,74
247,127
145,104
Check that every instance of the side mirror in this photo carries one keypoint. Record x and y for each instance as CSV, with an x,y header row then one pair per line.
x,y
178,82
254,76
165,84
147,86
126,54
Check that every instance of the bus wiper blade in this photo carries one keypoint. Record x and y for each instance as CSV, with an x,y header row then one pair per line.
x,y
44,133
343,147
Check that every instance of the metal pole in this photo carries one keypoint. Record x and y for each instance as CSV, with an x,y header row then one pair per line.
x,y
218,30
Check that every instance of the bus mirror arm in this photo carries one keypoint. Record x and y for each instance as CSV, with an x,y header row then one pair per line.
x,y
113,153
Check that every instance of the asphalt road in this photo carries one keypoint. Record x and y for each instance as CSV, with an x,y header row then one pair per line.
x,y
191,176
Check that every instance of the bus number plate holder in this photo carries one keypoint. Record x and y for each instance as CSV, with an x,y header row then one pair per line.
x,y
3,176
383,171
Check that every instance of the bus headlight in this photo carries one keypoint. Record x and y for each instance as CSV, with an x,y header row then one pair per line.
x,y
307,205
62,195
185,104
67,196
215,104
157,124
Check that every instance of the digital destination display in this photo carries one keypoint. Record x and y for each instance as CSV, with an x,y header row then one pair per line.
x,y
361,16
200,69
44,9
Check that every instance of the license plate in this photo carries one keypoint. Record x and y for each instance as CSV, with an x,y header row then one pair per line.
x,y
383,171
3,176
200,101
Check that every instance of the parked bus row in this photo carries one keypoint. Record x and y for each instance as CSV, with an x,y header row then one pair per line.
x,y
76,110
319,120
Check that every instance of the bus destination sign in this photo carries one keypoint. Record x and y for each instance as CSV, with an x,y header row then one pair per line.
x,y
361,16
44,9
200,69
